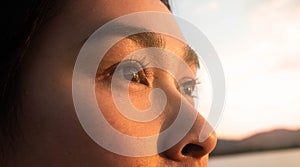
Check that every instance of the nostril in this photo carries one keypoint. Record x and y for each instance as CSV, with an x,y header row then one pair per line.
x,y
192,150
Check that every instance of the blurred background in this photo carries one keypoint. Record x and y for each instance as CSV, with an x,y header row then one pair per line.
x,y
258,42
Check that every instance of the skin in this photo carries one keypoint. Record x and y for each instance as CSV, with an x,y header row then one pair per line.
x,y
52,133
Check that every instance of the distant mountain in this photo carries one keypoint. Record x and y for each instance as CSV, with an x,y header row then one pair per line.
x,y
274,140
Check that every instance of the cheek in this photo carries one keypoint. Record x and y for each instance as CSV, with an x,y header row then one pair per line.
x,y
140,100
116,117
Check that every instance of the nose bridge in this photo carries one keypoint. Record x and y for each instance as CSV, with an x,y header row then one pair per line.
x,y
199,140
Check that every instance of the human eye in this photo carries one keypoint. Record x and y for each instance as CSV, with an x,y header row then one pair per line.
x,y
187,86
130,70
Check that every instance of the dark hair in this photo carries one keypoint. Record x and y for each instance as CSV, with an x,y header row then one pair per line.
x,y
21,20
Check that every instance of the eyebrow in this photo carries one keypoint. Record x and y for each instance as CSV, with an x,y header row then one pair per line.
x,y
152,39
191,56
146,38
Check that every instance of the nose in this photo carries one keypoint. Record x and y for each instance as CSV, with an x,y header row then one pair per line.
x,y
198,141
191,147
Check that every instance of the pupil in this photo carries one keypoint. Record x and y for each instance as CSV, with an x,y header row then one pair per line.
x,y
188,87
188,91
131,74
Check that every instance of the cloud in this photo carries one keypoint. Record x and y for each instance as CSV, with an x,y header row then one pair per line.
x,y
263,69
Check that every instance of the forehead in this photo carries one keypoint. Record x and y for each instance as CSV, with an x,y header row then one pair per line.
x,y
76,20
102,11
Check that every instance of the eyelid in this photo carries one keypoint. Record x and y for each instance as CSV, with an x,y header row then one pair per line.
x,y
110,70
132,62
186,79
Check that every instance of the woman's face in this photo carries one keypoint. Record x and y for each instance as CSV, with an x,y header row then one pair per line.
x,y
53,134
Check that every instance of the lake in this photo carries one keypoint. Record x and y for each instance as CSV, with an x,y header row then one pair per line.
x,y
281,158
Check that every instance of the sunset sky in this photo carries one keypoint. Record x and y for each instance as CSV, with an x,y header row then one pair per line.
x,y
258,43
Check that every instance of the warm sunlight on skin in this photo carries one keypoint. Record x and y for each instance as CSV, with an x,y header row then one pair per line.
x,y
53,134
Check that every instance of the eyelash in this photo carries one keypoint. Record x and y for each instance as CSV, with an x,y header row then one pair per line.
x,y
140,75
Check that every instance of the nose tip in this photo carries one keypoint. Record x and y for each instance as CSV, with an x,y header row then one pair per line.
x,y
190,147
199,149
